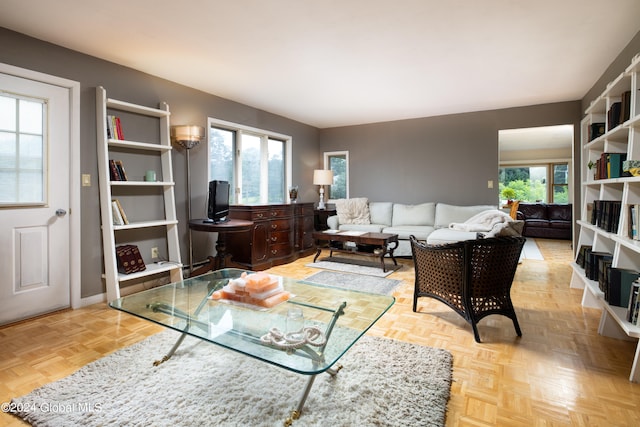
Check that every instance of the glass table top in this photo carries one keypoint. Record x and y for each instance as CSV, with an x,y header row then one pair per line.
x,y
185,307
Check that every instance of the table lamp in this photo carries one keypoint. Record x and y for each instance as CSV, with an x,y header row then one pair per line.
x,y
322,177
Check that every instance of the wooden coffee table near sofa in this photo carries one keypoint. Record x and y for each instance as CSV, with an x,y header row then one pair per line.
x,y
380,243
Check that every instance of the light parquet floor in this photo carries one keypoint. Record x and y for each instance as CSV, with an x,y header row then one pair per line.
x,y
560,373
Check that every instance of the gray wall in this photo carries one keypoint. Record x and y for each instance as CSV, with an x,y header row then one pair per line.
x,y
436,159
621,62
188,106
445,158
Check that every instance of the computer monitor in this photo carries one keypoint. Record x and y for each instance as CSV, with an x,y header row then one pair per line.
x,y
218,204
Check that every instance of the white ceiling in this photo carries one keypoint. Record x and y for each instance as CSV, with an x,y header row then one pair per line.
x,y
538,138
343,62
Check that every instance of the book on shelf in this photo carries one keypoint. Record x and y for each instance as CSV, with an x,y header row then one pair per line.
x,y
114,128
634,304
606,214
596,130
115,213
121,171
625,114
581,256
619,286
614,115
116,171
592,263
633,221
123,215
129,259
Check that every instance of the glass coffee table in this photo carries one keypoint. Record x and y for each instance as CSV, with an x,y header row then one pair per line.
x,y
334,320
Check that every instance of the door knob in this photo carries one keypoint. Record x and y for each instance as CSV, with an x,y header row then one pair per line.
x,y
61,212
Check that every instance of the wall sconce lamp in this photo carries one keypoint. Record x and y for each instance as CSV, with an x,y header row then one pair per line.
x,y
187,137
322,177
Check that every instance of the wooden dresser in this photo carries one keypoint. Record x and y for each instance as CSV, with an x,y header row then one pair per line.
x,y
280,234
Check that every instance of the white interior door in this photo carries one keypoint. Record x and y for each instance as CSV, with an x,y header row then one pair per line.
x,y
34,198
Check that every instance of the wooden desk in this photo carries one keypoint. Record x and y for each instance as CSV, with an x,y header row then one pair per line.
x,y
222,228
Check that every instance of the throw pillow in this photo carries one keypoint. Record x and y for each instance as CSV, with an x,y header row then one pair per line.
x,y
353,211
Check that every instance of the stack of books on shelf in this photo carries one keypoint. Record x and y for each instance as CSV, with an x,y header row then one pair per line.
x,y
609,165
606,214
116,171
129,259
114,128
619,285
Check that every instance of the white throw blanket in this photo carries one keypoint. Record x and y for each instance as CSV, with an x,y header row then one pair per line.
x,y
484,221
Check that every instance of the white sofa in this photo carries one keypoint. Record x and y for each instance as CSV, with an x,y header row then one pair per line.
x,y
427,221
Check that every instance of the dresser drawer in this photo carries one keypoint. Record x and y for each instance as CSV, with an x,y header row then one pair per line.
x,y
280,225
279,250
279,237
260,215
281,212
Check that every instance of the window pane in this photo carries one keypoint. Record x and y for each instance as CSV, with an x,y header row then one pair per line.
x,y
7,113
221,155
31,152
250,168
7,150
253,160
276,193
561,174
560,194
527,182
22,150
30,117
338,164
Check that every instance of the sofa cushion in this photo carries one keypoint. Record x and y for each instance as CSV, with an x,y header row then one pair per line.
x,y
404,231
353,211
422,214
446,214
381,212
533,210
559,212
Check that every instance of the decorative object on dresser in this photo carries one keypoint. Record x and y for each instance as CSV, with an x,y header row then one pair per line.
x,y
608,225
322,177
473,277
187,137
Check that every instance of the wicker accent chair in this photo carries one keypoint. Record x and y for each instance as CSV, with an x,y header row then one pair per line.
x,y
472,277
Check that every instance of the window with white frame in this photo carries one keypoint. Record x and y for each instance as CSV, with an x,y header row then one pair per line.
x,y
23,146
256,162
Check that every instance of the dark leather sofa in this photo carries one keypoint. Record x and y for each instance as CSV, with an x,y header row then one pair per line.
x,y
552,221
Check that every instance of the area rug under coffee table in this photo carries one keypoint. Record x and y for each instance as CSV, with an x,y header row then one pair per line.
x,y
354,282
384,383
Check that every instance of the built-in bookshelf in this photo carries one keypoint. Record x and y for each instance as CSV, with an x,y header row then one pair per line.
x,y
124,191
610,134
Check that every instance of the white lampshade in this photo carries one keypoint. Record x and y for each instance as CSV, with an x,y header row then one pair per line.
x,y
187,136
322,177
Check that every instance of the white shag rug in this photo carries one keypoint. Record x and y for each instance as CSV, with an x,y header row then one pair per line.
x,y
383,383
